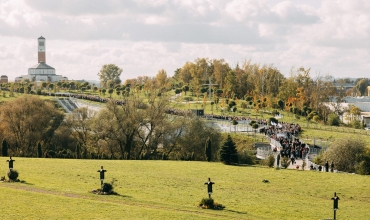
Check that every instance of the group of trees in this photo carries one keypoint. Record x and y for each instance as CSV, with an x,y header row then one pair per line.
x,y
28,87
136,130
260,86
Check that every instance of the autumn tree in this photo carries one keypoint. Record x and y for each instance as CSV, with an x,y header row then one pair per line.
x,y
80,124
161,78
120,124
154,125
109,72
26,121
220,69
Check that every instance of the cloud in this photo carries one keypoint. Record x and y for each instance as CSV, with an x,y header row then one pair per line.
x,y
143,36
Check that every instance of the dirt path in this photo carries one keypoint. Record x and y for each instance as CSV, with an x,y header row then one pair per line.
x,y
19,186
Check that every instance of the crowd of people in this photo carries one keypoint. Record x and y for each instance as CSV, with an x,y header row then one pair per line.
x,y
285,134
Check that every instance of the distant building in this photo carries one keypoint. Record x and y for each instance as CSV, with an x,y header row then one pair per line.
x,y
3,79
41,71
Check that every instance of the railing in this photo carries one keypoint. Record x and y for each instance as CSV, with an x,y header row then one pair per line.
x,y
263,152
67,105
72,104
63,105
275,143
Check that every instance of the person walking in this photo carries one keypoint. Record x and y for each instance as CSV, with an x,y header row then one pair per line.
x,y
327,166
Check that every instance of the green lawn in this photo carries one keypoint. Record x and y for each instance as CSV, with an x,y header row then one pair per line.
x,y
58,189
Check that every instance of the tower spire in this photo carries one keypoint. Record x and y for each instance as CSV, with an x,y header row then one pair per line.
x,y
41,50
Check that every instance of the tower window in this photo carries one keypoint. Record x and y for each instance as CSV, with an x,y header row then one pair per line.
x,y
41,44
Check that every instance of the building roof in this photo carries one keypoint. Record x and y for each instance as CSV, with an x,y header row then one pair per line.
x,y
41,37
41,65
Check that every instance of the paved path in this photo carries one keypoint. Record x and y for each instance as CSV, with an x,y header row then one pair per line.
x,y
299,162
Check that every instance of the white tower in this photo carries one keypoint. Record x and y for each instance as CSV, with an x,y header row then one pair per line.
x,y
41,47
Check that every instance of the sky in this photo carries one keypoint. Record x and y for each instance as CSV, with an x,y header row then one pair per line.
x,y
332,37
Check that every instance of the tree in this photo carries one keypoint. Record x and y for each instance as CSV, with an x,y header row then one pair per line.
x,y
280,103
4,148
185,88
28,120
110,91
78,151
355,112
363,167
235,123
344,153
228,152
109,72
361,86
193,137
39,150
161,78
208,150
80,124
120,124
333,119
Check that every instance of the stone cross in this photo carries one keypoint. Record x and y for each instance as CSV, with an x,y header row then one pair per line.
x,y
10,161
335,204
209,187
210,88
102,171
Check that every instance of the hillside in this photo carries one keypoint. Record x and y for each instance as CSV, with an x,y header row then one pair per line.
x,y
58,189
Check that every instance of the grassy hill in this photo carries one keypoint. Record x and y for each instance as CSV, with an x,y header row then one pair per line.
x,y
58,189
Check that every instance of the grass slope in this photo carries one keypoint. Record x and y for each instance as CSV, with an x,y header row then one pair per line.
x,y
58,189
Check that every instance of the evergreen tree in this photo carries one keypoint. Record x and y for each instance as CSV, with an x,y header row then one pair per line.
x,y
228,152
4,148
39,150
78,151
208,149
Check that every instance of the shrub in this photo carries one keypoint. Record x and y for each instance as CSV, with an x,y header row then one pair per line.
x,y
356,124
13,175
208,203
285,162
319,158
247,158
269,161
363,167
107,187
333,120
